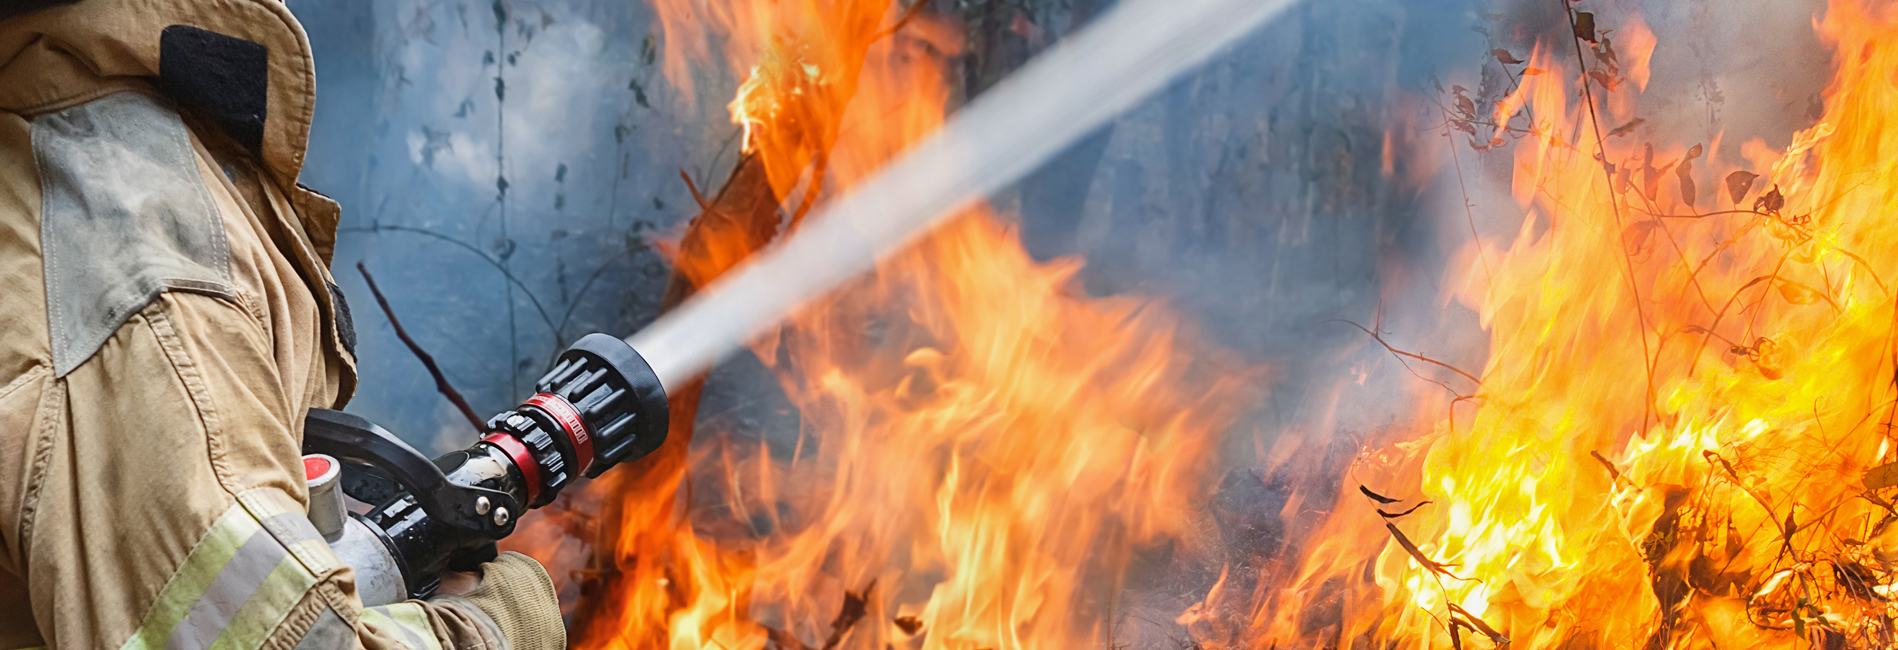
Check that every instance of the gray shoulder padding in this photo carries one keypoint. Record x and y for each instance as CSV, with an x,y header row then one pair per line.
x,y
123,216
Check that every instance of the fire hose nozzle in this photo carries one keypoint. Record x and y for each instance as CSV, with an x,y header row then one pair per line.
x,y
601,405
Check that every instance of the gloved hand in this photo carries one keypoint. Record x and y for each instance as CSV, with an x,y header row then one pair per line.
x,y
516,593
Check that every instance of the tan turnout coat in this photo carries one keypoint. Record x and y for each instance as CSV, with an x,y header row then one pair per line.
x,y
166,319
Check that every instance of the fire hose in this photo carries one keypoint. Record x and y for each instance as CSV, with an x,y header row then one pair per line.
x,y
604,404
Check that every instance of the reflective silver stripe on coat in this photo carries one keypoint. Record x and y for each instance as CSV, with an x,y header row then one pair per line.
x,y
329,632
254,562
123,216
406,619
238,584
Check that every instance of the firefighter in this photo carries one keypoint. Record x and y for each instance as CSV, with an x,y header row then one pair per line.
x,y
166,318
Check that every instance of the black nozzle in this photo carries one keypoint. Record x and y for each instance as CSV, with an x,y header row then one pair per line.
x,y
601,405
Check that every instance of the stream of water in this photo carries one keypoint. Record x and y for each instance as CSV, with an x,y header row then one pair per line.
x,y
1004,134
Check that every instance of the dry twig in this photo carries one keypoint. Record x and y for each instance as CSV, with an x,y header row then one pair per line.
x,y
441,380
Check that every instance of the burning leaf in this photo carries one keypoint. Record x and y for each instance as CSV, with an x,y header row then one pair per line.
x,y
1857,580
1607,81
1529,71
848,615
1771,201
1772,583
1685,171
1377,497
1605,53
1797,293
1394,515
1481,626
1639,236
1882,476
1504,56
1619,130
783,640
1464,106
1410,547
909,624
853,609
1650,175
1585,26
1652,183
1739,183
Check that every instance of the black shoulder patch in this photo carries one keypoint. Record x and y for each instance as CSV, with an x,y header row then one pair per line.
x,y
224,77
11,8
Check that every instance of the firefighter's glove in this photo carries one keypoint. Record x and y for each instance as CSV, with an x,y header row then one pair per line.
x,y
516,592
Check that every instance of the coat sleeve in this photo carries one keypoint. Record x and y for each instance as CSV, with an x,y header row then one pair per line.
x,y
170,511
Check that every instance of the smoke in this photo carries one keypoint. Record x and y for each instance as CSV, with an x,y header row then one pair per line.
x,y
470,142
1746,70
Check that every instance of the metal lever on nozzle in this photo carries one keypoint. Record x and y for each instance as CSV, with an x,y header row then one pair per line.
x,y
600,406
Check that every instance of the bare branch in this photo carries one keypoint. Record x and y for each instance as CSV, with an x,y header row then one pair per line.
x,y
441,380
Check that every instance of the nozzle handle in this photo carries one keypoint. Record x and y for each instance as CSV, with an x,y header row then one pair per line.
x,y
359,442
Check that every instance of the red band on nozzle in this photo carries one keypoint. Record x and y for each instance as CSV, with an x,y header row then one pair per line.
x,y
570,422
516,450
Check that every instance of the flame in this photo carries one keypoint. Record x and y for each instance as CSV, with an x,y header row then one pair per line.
x,y
1681,437
1690,375
982,446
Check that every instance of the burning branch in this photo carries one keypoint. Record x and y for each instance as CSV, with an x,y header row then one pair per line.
x,y
1417,554
1412,355
854,607
1583,26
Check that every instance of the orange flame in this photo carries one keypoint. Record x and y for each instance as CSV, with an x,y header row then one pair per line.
x,y
1682,435
982,446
